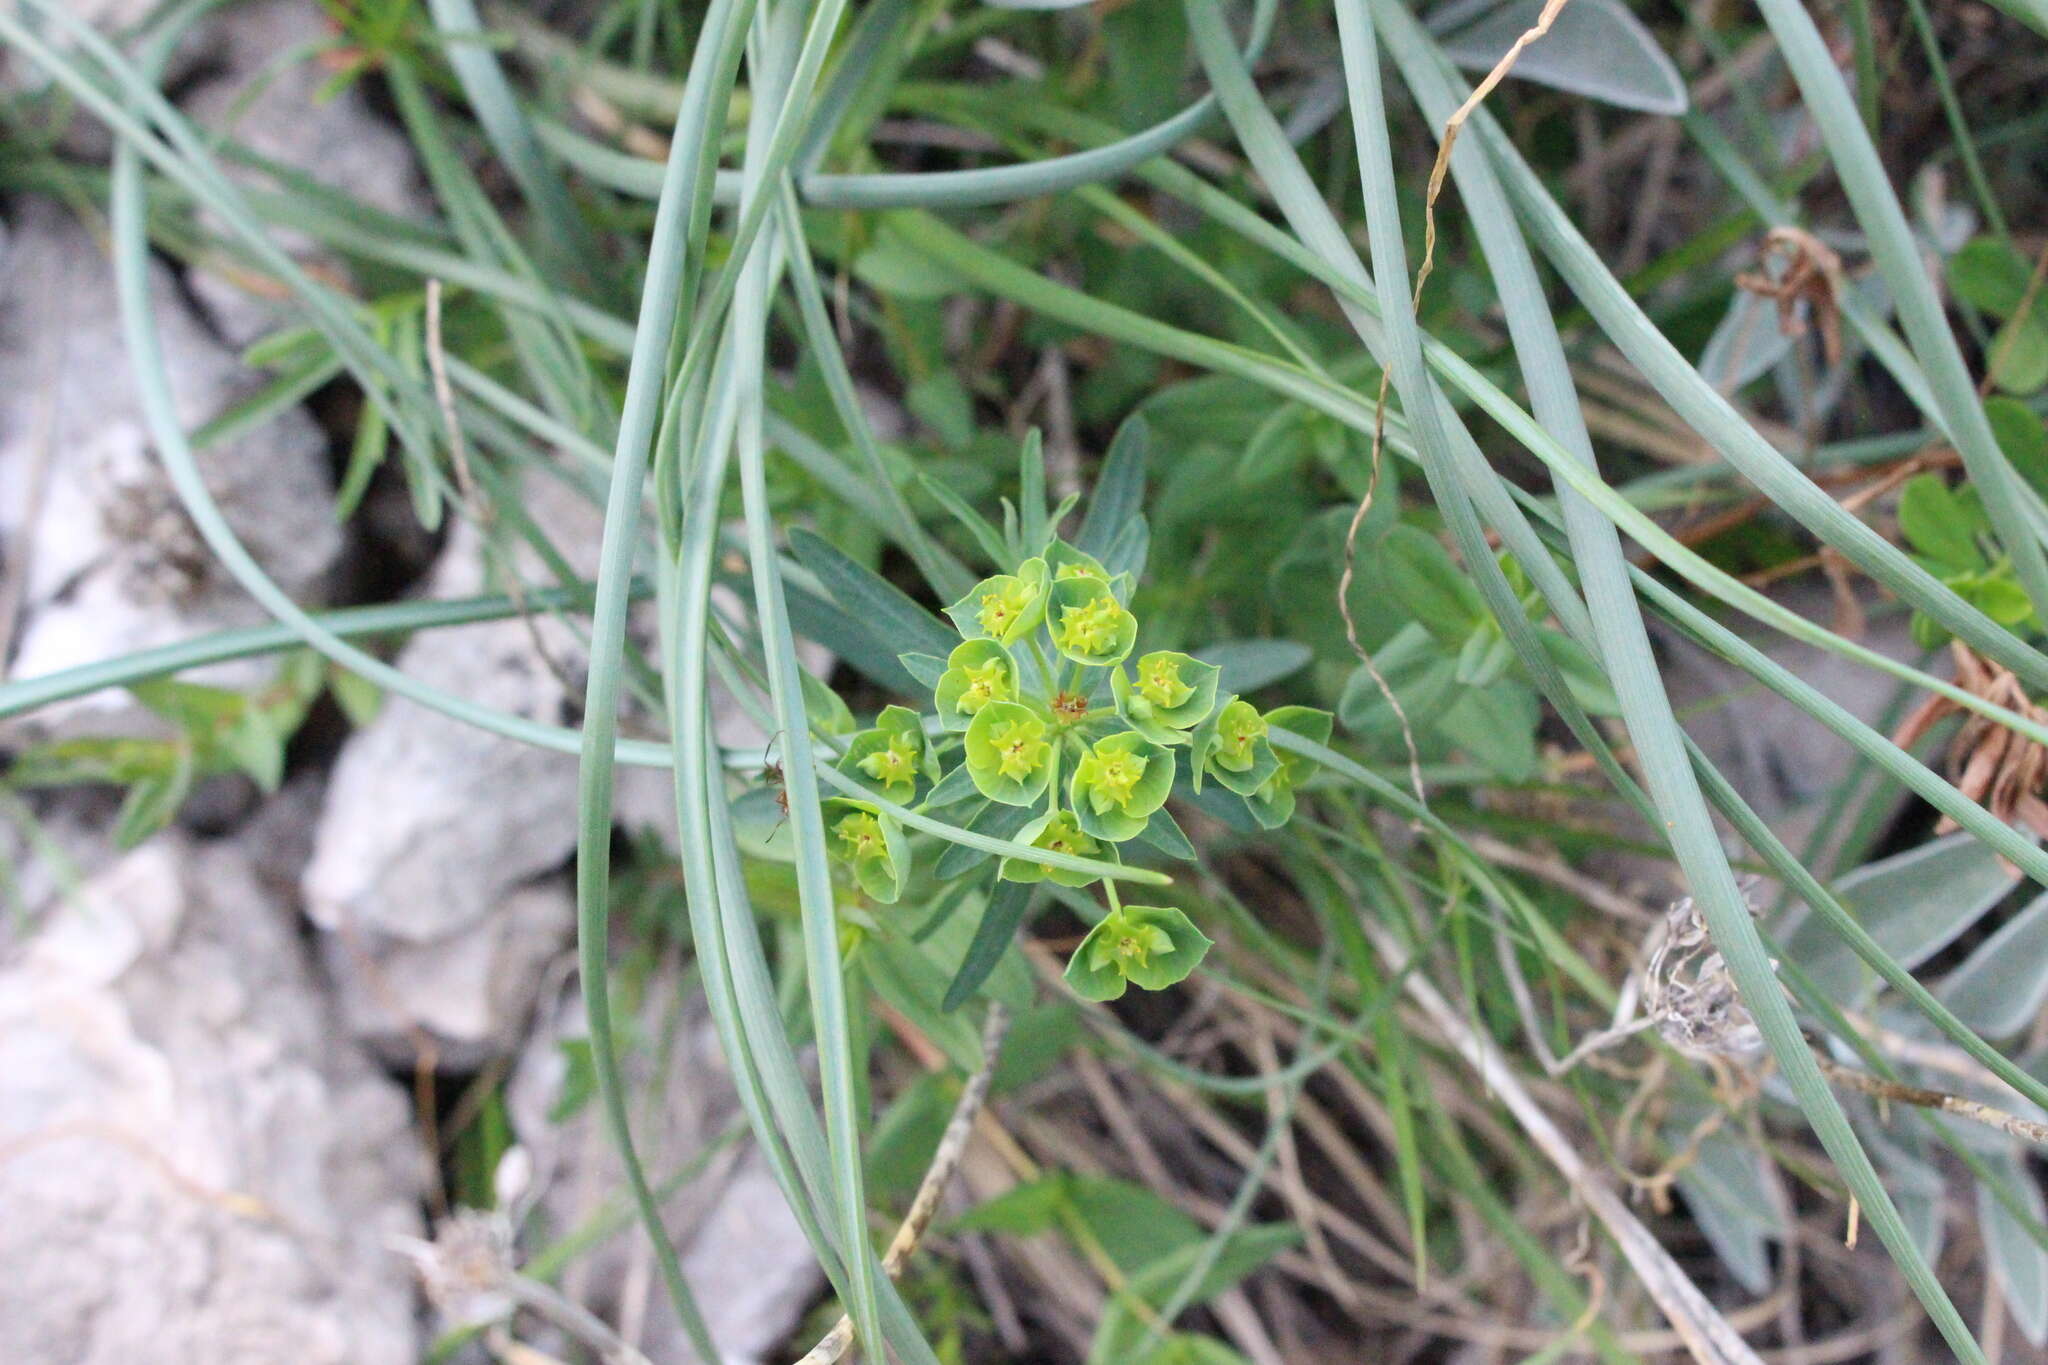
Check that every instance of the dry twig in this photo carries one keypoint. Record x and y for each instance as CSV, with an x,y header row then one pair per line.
x,y
952,1144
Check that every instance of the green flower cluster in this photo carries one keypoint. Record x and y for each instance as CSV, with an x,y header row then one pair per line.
x,y
1052,713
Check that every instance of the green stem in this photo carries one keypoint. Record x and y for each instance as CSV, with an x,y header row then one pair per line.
x,y
1046,671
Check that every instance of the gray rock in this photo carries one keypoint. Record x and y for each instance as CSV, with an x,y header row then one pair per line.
x,y
195,1169
434,864
100,556
432,859
743,1253
274,108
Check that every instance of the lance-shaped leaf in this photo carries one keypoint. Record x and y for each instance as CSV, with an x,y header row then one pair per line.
x,y
1010,752
977,672
1088,624
1118,783
1272,805
1004,607
1231,746
1153,946
1058,833
869,842
1173,693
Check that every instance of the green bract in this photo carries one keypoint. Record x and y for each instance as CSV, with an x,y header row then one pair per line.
x,y
1272,805
892,756
977,672
869,842
1067,562
1171,694
1004,607
1231,747
1152,945
1088,624
1119,783
1057,833
1010,753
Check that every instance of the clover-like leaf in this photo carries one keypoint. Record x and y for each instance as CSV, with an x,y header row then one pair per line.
x,y
1088,624
1172,694
1272,804
1118,783
891,757
977,672
1231,746
1004,607
1151,946
869,842
1057,833
1010,752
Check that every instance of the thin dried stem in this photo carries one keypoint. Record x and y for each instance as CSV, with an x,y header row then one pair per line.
x,y
952,1144
1920,1097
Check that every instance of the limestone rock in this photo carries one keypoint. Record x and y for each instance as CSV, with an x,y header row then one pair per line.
x,y
197,1172
108,560
743,1253
280,110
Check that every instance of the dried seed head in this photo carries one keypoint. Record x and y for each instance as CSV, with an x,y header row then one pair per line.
x,y
1688,992
465,1269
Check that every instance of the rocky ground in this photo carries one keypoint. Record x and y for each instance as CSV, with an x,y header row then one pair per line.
x,y
210,1146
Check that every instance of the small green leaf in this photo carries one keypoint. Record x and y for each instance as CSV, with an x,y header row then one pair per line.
x,y
926,668
1428,582
976,673
824,707
359,698
1484,656
1938,525
868,841
1496,727
2023,437
1272,805
1172,694
1118,783
1248,665
1089,626
994,818
1231,746
153,801
2018,1263
869,598
976,525
1582,672
892,757
2019,352
1004,607
893,266
1057,832
940,401
1119,492
255,744
1990,275
993,933
1165,834
1024,1210
1150,946
1036,527
2002,985
1010,752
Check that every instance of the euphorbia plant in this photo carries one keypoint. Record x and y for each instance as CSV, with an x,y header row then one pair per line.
x,y
1051,730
